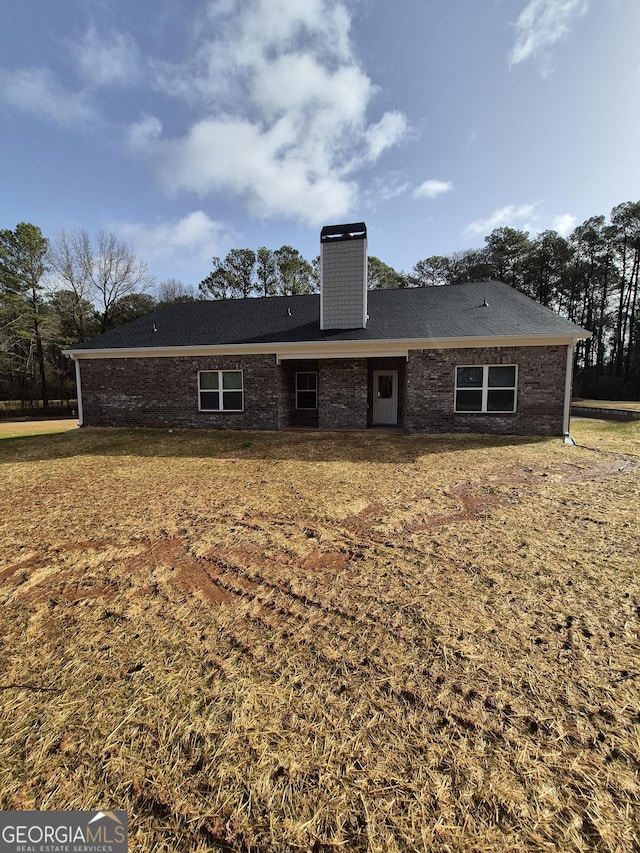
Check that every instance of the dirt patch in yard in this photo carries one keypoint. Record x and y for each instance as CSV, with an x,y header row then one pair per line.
x,y
224,574
172,559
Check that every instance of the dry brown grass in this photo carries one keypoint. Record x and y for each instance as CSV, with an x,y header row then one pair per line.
x,y
277,642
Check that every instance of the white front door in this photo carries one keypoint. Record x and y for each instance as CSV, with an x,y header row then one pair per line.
x,y
385,397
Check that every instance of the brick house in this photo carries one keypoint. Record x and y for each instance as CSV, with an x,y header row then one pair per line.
x,y
477,357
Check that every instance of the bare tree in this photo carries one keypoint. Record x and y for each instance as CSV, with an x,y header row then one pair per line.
x,y
173,290
103,270
69,278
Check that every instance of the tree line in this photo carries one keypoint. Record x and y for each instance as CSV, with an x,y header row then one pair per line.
x,y
54,293
243,273
590,277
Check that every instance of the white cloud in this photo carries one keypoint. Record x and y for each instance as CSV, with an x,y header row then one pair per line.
x,y
563,224
272,27
267,167
144,131
524,217
220,7
283,111
511,215
432,188
298,81
391,128
36,91
235,47
100,61
383,188
543,23
107,60
389,186
194,239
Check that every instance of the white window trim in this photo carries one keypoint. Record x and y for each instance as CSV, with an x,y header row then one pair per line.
x,y
306,408
485,390
220,390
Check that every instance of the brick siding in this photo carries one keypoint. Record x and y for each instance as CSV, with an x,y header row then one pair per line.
x,y
540,393
163,392
342,393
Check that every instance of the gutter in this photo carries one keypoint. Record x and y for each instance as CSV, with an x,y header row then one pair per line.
x,y
78,390
568,376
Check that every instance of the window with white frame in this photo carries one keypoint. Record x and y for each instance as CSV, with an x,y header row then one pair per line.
x,y
486,388
220,391
306,390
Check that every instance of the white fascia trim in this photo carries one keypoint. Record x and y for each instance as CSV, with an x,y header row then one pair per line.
x,y
329,349
78,392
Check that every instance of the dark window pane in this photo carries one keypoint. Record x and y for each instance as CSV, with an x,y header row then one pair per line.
x,y
500,401
209,400
502,377
209,380
469,377
232,380
232,400
306,400
306,381
385,387
469,401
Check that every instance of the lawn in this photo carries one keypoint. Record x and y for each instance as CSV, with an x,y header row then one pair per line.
x,y
323,641
17,428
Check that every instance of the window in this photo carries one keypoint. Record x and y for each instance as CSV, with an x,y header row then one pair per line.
x,y
486,388
385,386
220,391
307,390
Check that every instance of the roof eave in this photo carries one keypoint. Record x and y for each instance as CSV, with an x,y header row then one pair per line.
x,y
332,349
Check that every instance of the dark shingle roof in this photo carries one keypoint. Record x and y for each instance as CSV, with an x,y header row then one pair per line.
x,y
454,311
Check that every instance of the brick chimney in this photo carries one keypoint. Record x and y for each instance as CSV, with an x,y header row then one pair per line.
x,y
343,276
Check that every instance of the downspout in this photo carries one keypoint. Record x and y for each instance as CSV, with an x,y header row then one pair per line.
x,y
567,396
78,390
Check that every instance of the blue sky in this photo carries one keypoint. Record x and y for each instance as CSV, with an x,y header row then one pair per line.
x,y
189,128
